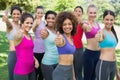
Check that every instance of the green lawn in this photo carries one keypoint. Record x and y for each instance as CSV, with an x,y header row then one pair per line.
x,y
4,54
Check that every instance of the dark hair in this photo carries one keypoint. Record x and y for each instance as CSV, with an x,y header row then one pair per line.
x,y
17,8
61,17
25,16
106,12
39,7
79,7
50,12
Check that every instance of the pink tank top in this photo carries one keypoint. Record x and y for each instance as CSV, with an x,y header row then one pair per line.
x,y
25,57
93,31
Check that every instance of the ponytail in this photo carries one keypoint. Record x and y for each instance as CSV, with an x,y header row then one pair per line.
x,y
113,30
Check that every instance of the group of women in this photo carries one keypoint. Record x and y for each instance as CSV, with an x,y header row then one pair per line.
x,y
57,53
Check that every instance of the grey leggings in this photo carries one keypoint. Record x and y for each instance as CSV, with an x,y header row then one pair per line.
x,y
63,72
11,64
47,71
105,70
30,76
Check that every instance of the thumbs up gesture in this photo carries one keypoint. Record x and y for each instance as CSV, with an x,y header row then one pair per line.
x,y
99,36
59,41
44,33
5,17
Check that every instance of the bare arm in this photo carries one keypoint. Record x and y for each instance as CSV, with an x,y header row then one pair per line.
x,y
18,37
7,21
86,27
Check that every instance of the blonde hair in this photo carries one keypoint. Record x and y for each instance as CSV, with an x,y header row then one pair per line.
x,y
91,6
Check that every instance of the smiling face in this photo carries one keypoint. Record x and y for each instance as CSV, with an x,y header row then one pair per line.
x,y
50,20
16,15
92,13
27,24
39,13
78,12
108,21
67,26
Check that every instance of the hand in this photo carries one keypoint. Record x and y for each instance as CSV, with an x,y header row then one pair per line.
x,y
118,76
44,33
99,36
59,41
36,63
5,17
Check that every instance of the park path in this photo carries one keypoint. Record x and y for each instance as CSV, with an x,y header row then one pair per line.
x,y
117,29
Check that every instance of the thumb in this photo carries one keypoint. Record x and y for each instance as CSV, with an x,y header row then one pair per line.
x,y
6,12
58,33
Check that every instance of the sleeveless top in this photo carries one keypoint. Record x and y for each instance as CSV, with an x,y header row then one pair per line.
x,y
11,34
77,38
93,31
109,41
67,48
25,57
51,54
38,41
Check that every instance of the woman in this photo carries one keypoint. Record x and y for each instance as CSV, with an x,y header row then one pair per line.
x,y
50,58
24,67
12,27
66,24
106,66
39,47
77,39
92,51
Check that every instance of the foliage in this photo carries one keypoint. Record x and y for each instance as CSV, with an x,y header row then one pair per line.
x,y
65,5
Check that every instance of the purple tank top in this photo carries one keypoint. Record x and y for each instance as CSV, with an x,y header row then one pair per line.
x,y
39,46
93,31
67,48
25,57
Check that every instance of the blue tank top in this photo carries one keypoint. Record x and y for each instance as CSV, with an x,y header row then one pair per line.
x,y
109,41
67,48
51,54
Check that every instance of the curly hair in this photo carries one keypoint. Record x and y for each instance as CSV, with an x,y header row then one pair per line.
x,y
61,17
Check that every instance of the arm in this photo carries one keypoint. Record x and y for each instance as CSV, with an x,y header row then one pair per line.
x,y
18,37
7,21
86,27
34,26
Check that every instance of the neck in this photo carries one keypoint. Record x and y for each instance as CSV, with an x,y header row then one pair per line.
x,y
68,35
107,29
50,28
91,21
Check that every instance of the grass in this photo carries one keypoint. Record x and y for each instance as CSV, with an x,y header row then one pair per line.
x,y
4,54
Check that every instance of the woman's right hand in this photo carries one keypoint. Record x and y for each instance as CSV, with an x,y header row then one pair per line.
x,y
59,41
5,17
99,36
44,33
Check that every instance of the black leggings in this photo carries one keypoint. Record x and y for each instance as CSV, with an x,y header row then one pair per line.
x,y
105,70
90,59
38,72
